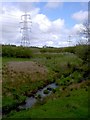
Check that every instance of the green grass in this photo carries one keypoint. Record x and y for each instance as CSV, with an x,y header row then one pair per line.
x,y
0,81
59,104
8,59
58,62
74,106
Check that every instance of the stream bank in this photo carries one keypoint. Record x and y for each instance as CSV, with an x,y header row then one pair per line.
x,y
41,94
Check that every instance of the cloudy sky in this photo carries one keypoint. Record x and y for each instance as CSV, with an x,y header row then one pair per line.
x,y
53,23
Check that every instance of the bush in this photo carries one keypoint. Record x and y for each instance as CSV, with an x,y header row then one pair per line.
x,y
83,51
68,95
48,57
49,88
65,81
68,65
77,77
38,96
53,90
41,102
8,103
43,50
69,49
45,91
18,52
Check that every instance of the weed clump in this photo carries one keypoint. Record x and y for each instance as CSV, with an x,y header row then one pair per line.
x,y
46,91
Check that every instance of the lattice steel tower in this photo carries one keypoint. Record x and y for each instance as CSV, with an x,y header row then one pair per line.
x,y
69,40
25,29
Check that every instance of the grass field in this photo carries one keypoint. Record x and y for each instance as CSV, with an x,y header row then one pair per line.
x,y
69,103
0,86
22,77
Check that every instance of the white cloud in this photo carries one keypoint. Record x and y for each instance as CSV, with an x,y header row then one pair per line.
x,y
44,31
49,43
55,4
75,34
58,25
34,12
77,28
43,22
10,25
80,16
63,44
47,32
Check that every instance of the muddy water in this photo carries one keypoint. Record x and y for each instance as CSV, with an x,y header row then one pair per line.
x,y
30,101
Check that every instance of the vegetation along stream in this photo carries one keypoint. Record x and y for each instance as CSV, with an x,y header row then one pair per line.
x,y
46,91
45,82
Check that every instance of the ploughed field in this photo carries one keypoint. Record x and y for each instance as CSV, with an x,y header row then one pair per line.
x,y
23,77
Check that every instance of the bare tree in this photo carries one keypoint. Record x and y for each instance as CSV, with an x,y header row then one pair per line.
x,y
85,32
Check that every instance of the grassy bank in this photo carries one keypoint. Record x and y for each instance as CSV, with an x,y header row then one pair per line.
x,y
71,102
23,76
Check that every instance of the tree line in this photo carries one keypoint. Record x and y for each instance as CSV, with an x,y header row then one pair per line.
x,y
18,52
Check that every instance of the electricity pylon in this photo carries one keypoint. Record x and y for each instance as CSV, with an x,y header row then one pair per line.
x,y
25,29
69,40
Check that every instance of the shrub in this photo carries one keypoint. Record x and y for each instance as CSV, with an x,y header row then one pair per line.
x,y
45,91
8,103
38,96
48,57
43,50
63,88
49,88
41,102
68,65
68,95
18,52
77,77
82,51
71,89
53,90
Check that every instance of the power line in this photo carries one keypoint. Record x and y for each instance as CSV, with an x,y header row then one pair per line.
x,y
25,29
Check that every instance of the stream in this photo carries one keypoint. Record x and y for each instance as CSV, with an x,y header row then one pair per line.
x,y
30,101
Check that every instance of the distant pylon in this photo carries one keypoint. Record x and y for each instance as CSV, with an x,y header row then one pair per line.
x,y
25,29
69,40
